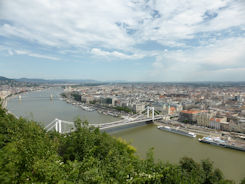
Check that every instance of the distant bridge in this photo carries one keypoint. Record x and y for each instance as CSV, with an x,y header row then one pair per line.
x,y
59,125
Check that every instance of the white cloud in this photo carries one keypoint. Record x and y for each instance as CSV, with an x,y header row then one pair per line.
x,y
28,53
64,24
99,52
184,19
229,17
13,51
95,23
206,62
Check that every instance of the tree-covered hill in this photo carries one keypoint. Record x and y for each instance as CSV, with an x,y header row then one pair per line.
x,y
5,81
14,82
29,154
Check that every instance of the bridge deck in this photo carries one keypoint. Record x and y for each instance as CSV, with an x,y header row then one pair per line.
x,y
103,126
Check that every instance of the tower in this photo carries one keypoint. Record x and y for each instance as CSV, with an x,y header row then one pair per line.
x,y
153,113
148,113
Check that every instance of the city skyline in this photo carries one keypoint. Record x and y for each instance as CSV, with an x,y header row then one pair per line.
x,y
157,40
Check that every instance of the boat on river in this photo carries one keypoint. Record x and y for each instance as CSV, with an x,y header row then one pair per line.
x,y
219,142
87,108
177,131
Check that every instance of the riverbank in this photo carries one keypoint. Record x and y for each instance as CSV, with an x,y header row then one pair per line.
x,y
105,110
192,128
4,106
4,103
201,132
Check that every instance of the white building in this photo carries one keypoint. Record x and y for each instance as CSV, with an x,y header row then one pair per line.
x,y
138,108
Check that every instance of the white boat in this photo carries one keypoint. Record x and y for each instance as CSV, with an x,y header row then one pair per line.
x,y
177,131
86,108
217,141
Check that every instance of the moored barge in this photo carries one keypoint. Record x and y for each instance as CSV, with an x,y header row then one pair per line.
x,y
219,142
177,131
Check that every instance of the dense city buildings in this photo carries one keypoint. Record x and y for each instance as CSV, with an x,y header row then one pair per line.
x,y
218,106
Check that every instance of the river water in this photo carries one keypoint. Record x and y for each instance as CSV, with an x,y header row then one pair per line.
x,y
40,107
168,147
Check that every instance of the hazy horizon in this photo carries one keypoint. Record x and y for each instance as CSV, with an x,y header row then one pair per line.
x,y
121,81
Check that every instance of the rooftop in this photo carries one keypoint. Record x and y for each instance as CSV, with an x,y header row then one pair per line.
x,y
191,111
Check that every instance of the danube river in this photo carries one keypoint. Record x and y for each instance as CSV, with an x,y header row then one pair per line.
x,y
168,147
39,106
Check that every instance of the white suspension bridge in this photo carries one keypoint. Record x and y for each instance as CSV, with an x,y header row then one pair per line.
x,y
59,125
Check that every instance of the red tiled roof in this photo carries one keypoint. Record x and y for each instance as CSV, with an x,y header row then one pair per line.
x,y
215,119
172,108
191,111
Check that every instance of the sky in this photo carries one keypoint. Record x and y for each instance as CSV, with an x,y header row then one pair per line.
x,y
131,40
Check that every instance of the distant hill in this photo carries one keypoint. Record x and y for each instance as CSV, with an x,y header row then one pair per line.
x,y
6,81
4,78
14,82
30,81
57,81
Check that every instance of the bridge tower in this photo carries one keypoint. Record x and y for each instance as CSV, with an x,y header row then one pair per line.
x,y
148,112
58,125
153,113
